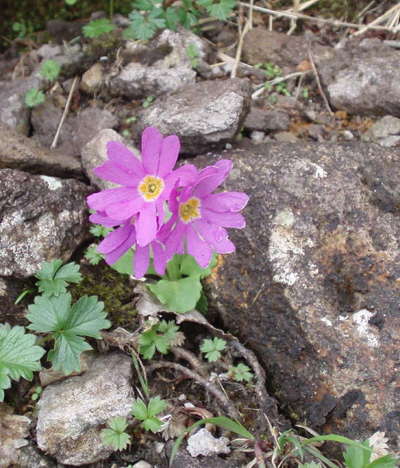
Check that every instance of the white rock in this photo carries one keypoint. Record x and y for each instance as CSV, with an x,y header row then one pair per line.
x,y
204,443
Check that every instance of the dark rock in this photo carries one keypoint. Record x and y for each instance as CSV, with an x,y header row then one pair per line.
x,y
20,152
318,260
11,313
61,30
264,120
14,430
263,46
70,431
41,218
203,115
363,78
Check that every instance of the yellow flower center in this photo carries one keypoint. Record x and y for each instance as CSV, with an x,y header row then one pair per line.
x,y
190,210
151,187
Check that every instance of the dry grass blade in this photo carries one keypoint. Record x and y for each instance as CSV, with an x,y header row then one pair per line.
x,y
391,17
314,19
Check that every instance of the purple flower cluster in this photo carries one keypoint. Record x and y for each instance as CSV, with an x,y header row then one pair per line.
x,y
150,191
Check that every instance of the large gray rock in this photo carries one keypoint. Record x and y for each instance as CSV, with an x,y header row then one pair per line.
x,y
203,115
20,152
313,287
363,78
41,218
14,430
385,131
13,110
162,66
72,413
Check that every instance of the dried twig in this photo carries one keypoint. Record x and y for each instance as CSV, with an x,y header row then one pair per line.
x,y
310,57
392,21
66,109
247,27
188,356
315,19
209,386
257,93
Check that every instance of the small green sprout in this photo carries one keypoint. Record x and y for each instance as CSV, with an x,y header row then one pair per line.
x,y
148,101
34,97
114,435
193,54
36,393
98,27
147,414
212,348
50,70
241,373
99,231
160,337
93,256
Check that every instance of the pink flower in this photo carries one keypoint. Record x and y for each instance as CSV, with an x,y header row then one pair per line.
x,y
200,216
119,241
146,183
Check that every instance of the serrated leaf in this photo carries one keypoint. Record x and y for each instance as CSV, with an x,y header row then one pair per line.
x,y
100,231
34,97
159,337
50,69
118,424
139,409
156,406
19,356
114,435
145,26
241,372
152,424
67,325
212,348
92,256
98,27
220,10
179,296
54,277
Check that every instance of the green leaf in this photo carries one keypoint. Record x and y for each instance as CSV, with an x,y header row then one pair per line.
x,y
190,267
124,264
53,277
67,325
221,10
146,5
98,27
34,97
158,338
70,2
93,256
139,409
179,296
156,406
50,69
387,461
147,414
241,372
309,465
100,231
357,457
19,356
212,348
115,435
221,421
145,26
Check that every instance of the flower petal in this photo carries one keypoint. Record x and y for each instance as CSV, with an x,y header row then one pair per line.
x,y
209,183
151,149
159,257
226,219
198,248
116,254
169,154
146,224
102,218
226,201
141,260
181,177
100,200
174,242
216,236
117,174
114,239
121,155
125,210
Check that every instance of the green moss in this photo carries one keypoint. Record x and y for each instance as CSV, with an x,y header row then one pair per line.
x,y
114,289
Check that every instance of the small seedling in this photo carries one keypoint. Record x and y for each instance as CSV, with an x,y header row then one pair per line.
x,y
147,414
50,70
148,101
98,27
67,325
36,393
93,256
99,231
241,373
34,97
212,348
114,435
193,54
159,338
